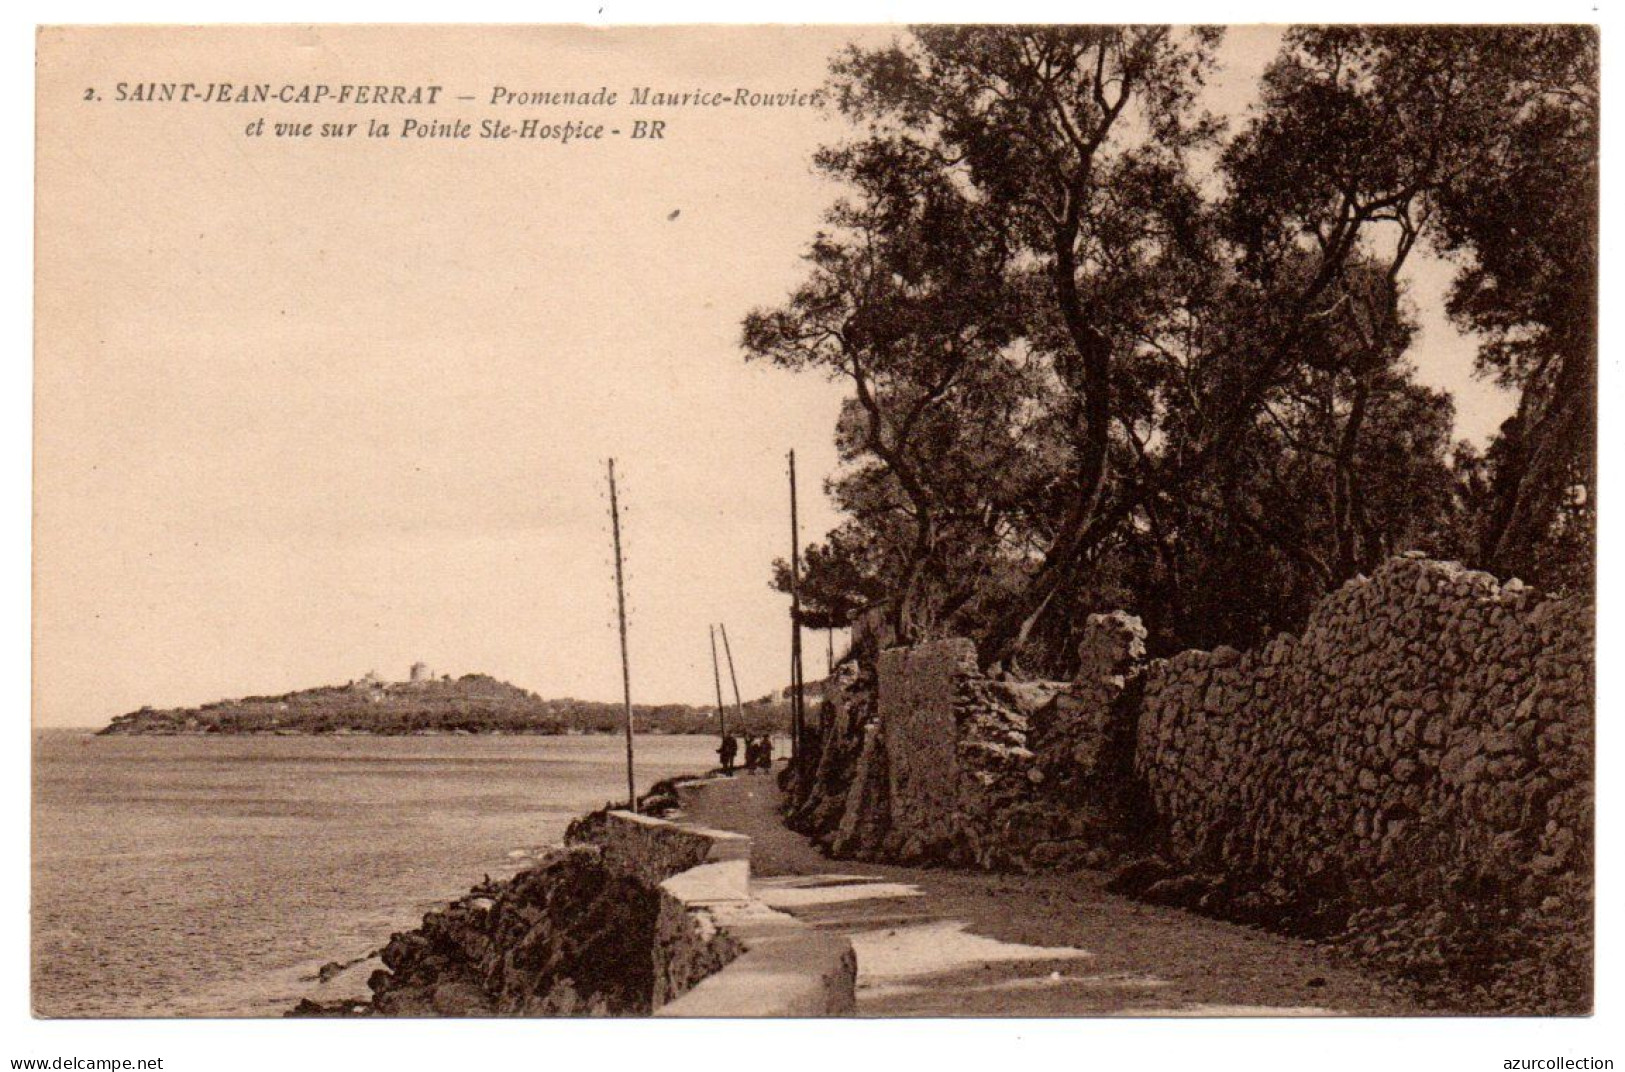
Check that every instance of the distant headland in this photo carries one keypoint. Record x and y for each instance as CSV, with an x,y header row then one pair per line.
x,y
427,705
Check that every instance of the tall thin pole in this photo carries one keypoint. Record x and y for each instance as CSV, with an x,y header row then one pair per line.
x,y
798,714
829,680
739,708
716,674
620,607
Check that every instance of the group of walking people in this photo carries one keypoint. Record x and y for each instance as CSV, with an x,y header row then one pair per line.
x,y
758,753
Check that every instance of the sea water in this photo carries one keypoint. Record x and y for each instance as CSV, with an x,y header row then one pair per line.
x,y
214,876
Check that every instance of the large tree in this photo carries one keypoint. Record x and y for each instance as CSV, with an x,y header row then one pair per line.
x,y
908,298
1085,373
1490,135
1075,140
1523,220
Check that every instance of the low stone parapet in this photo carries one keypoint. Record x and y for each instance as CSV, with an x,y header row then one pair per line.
x,y
785,968
707,865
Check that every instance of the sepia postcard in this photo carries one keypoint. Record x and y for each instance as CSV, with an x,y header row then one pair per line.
x,y
815,521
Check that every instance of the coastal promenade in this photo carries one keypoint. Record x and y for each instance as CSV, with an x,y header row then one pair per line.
x,y
954,943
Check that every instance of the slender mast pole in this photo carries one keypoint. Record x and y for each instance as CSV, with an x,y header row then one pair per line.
x,y
716,674
620,607
829,679
739,708
798,714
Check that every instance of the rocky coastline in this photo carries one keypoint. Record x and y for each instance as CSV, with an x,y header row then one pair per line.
x,y
583,932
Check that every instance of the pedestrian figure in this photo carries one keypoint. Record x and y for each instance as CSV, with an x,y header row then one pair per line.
x,y
767,753
726,752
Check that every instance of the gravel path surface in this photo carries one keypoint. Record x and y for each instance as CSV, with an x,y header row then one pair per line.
x,y
954,943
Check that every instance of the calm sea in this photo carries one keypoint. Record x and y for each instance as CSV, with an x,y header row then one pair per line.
x,y
213,876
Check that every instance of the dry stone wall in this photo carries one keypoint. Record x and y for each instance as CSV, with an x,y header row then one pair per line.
x,y
1411,776
1417,765
928,759
1084,738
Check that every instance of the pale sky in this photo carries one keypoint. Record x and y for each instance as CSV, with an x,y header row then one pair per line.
x,y
306,408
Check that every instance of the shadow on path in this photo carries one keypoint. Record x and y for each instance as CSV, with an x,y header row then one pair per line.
x,y
957,943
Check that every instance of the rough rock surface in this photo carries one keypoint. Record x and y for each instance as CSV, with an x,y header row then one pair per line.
x,y
1411,778
1413,774
648,852
929,760
1083,737
848,713
950,753
568,937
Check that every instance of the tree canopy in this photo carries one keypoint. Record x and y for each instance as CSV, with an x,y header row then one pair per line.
x,y
1104,350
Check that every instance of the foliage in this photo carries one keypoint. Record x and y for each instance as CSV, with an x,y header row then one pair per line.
x,y
1103,350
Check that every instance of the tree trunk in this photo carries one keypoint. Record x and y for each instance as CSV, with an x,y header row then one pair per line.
x,y
1548,453
1093,382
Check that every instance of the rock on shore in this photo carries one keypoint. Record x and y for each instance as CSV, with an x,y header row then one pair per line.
x,y
568,937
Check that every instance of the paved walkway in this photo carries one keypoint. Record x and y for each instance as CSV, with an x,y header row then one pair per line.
x,y
952,943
